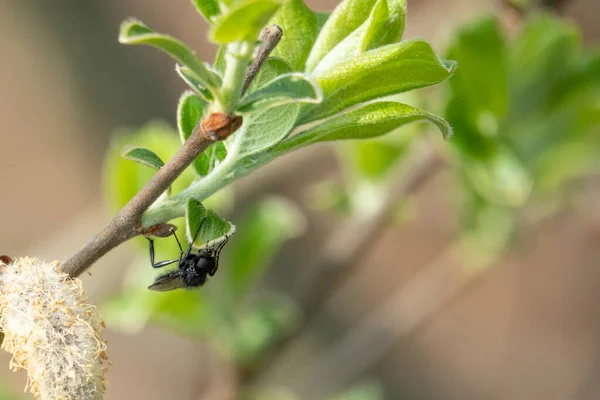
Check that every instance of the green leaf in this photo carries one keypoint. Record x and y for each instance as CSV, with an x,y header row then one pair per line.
x,y
189,113
501,180
365,391
481,82
256,329
123,179
396,22
385,71
205,226
208,8
263,129
194,83
284,89
244,21
135,32
265,227
365,37
539,57
270,70
299,25
347,16
370,121
142,156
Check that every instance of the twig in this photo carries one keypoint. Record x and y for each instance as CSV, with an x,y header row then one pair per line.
x,y
346,249
270,38
125,225
399,315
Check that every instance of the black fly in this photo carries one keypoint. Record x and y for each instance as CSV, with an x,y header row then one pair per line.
x,y
192,269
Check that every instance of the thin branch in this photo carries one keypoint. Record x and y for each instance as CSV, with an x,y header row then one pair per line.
x,y
346,249
124,225
270,38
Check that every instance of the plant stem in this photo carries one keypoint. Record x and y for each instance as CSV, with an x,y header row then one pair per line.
x,y
270,38
124,225
237,59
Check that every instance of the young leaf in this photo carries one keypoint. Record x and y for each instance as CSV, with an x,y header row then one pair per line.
x,y
189,113
135,32
205,226
396,22
263,230
288,88
244,21
263,129
367,122
299,25
208,8
142,156
346,17
270,70
194,83
364,37
388,70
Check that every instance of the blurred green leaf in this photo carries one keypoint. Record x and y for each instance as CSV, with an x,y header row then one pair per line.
x,y
347,16
263,129
271,69
207,225
244,21
259,326
481,82
208,8
135,32
501,180
388,70
299,25
194,83
264,229
284,89
541,54
142,156
365,391
369,121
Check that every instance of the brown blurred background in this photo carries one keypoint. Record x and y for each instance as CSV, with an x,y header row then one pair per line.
x,y
527,329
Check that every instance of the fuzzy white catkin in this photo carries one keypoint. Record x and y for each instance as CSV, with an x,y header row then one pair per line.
x,y
51,331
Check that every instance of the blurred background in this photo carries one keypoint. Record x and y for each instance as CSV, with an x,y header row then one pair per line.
x,y
479,280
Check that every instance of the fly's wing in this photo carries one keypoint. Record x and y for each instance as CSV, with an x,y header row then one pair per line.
x,y
166,282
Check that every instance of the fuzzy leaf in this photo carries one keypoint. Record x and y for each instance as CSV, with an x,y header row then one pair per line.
x,y
264,229
135,32
244,21
263,129
385,71
189,113
194,83
270,70
363,38
284,89
299,25
208,225
370,121
347,16
208,8
143,156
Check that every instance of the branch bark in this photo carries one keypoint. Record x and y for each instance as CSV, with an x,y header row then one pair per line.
x,y
125,225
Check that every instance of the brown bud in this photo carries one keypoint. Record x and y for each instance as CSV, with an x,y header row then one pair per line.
x,y
6,260
218,126
158,230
